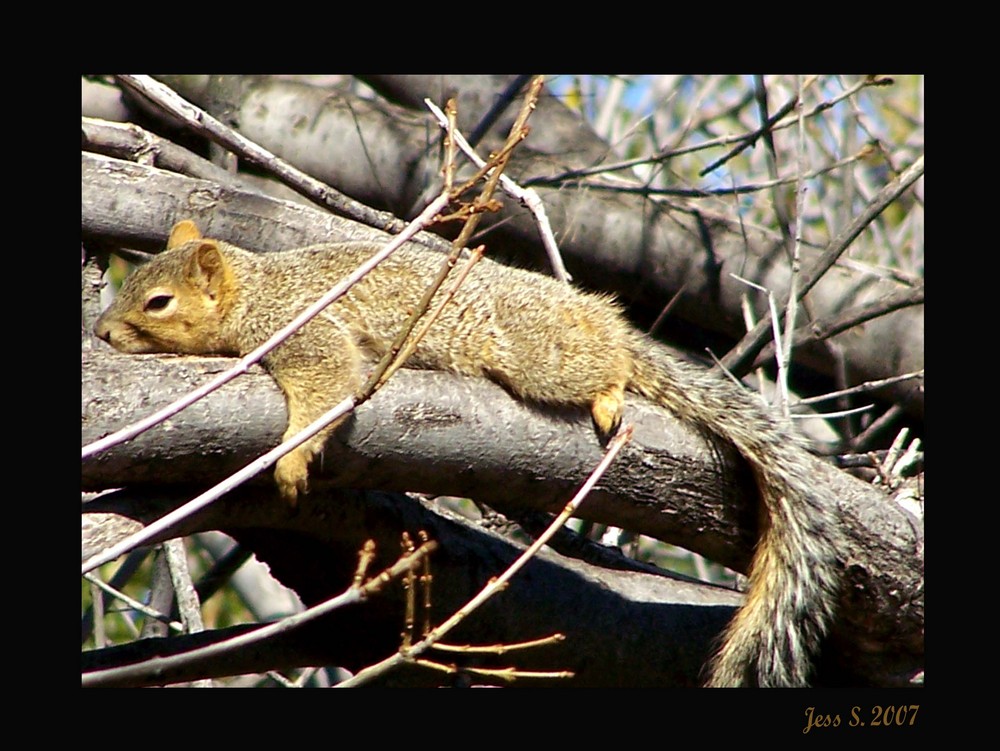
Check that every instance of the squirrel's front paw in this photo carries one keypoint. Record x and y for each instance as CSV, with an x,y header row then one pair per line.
x,y
292,475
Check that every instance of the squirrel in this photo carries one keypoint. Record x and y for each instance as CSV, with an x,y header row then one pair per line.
x,y
544,341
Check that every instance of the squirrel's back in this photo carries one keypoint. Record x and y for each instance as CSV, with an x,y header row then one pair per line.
x,y
544,340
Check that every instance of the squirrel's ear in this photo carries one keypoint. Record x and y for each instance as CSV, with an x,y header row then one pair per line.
x,y
206,268
182,232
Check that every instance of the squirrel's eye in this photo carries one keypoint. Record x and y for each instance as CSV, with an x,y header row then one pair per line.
x,y
158,302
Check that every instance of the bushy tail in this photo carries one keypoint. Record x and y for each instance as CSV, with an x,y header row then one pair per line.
x,y
794,577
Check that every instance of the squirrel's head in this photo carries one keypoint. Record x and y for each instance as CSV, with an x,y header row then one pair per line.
x,y
177,302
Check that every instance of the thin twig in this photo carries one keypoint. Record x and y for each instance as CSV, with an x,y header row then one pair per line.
x,y
644,190
781,384
838,413
412,343
135,604
450,161
508,675
862,388
500,104
500,649
365,557
792,307
750,138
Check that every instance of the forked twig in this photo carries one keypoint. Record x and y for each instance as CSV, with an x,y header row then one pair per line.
x,y
495,585
354,594
526,196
